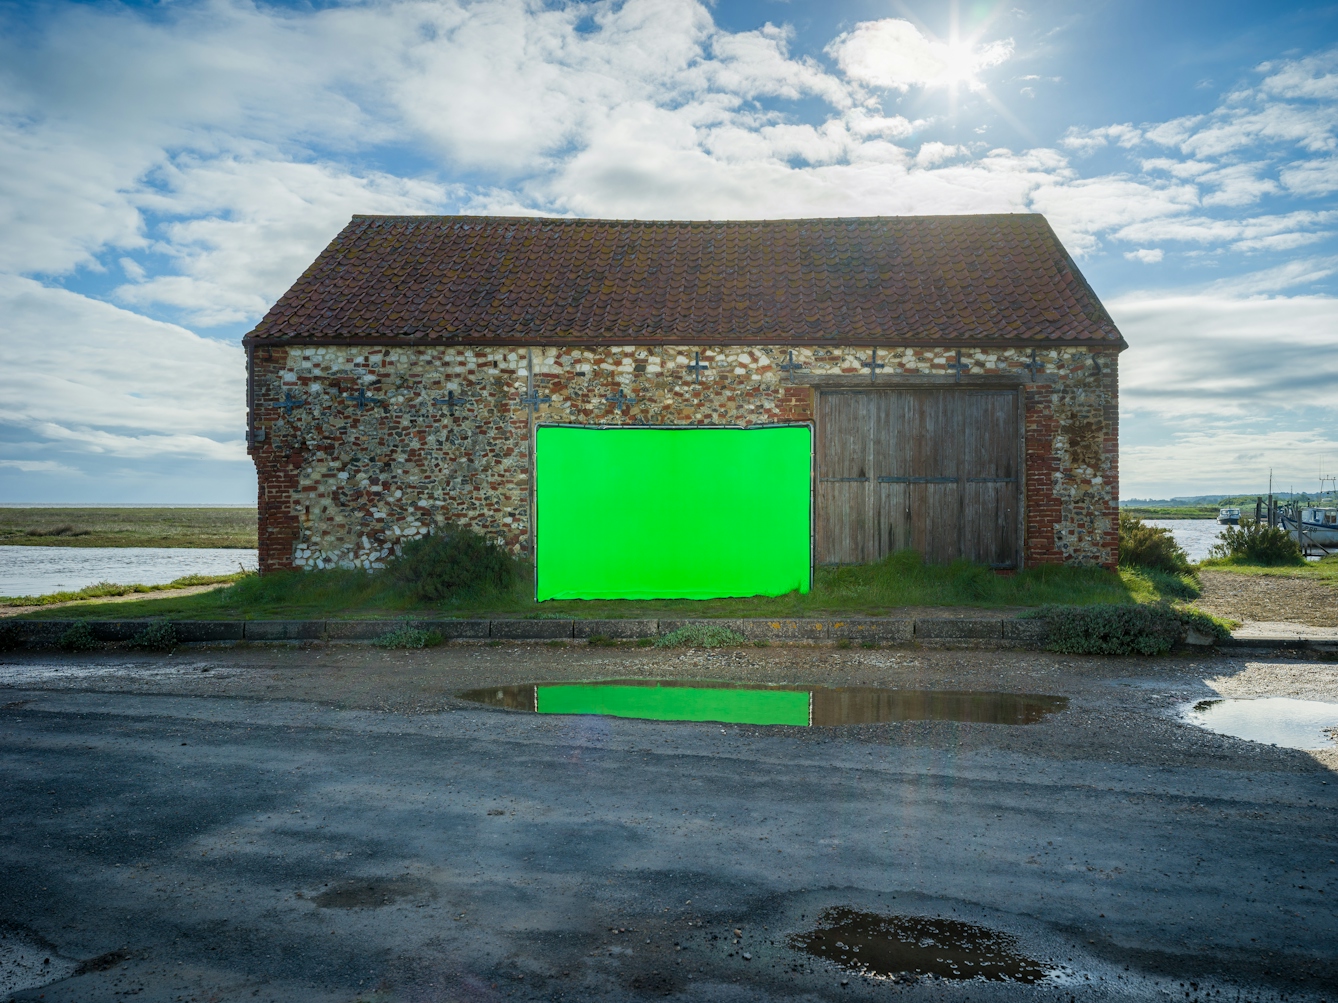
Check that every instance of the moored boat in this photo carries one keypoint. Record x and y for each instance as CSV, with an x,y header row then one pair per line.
x,y
1228,517
1318,527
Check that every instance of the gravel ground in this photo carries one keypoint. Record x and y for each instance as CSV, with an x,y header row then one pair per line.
x,y
1276,598
330,823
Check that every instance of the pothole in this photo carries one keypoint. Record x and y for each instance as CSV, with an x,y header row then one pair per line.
x,y
370,893
738,703
899,946
1285,721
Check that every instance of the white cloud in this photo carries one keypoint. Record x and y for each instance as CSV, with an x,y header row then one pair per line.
x,y
260,224
38,466
101,379
208,152
1224,354
892,53
1085,141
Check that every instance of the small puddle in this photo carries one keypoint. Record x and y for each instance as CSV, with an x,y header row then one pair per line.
x,y
886,946
1285,721
733,703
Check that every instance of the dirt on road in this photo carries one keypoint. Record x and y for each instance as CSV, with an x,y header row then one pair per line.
x,y
1270,598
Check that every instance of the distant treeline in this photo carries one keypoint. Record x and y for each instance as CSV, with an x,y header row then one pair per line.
x,y
1204,506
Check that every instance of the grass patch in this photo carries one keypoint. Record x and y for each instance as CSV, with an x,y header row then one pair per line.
x,y
408,636
700,635
1323,570
128,527
104,590
900,581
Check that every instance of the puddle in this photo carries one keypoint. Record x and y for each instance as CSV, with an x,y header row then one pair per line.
x,y
370,893
29,962
733,703
887,946
1284,721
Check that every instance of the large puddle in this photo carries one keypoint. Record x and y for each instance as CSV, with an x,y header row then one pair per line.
x,y
734,703
890,946
1284,721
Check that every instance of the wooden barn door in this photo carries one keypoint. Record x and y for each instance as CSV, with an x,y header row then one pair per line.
x,y
930,470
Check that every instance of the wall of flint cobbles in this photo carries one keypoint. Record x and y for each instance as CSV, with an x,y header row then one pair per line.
x,y
442,435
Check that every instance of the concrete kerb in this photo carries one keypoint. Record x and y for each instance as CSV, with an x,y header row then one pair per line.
x,y
1003,632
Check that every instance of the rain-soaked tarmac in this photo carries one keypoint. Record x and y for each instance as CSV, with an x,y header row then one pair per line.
x,y
273,823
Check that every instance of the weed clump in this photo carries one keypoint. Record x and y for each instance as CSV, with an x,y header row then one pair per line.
x,y
1151,547
453,564
1144,629
1256,543
156,637
78,637
406,635
700,635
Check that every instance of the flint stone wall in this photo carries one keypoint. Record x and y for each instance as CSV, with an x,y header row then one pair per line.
x,y
442,435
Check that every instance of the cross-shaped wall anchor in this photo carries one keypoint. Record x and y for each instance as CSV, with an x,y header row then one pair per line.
x,y
791,367
532,400
620,400
959,366
873,365
361,398
1034,366
289,402
452,400
696,368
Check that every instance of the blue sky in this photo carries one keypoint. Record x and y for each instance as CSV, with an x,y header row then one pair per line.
x,y
169,169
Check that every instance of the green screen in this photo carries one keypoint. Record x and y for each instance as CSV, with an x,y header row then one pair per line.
x,y
671,513
676,703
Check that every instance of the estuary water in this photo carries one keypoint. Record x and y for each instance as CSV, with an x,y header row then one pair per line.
x,y
1195,536
32,571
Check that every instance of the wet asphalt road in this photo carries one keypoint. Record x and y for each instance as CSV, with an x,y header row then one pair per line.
x,y
330,825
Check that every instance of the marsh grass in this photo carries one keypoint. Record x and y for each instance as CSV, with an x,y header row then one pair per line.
x,y
104,590
128,527
902,580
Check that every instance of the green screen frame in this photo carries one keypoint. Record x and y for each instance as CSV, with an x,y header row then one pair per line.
x,y
672,512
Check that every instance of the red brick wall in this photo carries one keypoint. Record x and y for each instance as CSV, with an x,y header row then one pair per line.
x,y
1072,475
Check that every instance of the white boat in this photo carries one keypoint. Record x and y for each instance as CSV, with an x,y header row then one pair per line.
x,y
1228,517
1319,527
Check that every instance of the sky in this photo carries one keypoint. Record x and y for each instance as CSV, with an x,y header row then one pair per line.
x,y
168,169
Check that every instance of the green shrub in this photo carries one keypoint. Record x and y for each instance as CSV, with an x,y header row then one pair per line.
x,y
1150,547
1256,543
454,563
78,637
1205,623
408,636
1105,629
700,635
156,637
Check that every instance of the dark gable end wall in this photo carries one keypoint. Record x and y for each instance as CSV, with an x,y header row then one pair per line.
x,y
343,486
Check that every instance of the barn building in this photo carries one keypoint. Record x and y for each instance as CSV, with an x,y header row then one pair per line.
x,y
954,381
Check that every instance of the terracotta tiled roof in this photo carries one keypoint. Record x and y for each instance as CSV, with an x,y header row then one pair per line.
x,y
517,280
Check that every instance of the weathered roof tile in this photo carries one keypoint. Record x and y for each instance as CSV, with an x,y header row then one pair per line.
x,y
910,279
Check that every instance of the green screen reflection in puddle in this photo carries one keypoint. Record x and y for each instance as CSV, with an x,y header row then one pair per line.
x,y
676,703
732,703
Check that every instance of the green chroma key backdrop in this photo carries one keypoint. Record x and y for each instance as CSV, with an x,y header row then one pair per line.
x,y
672,513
